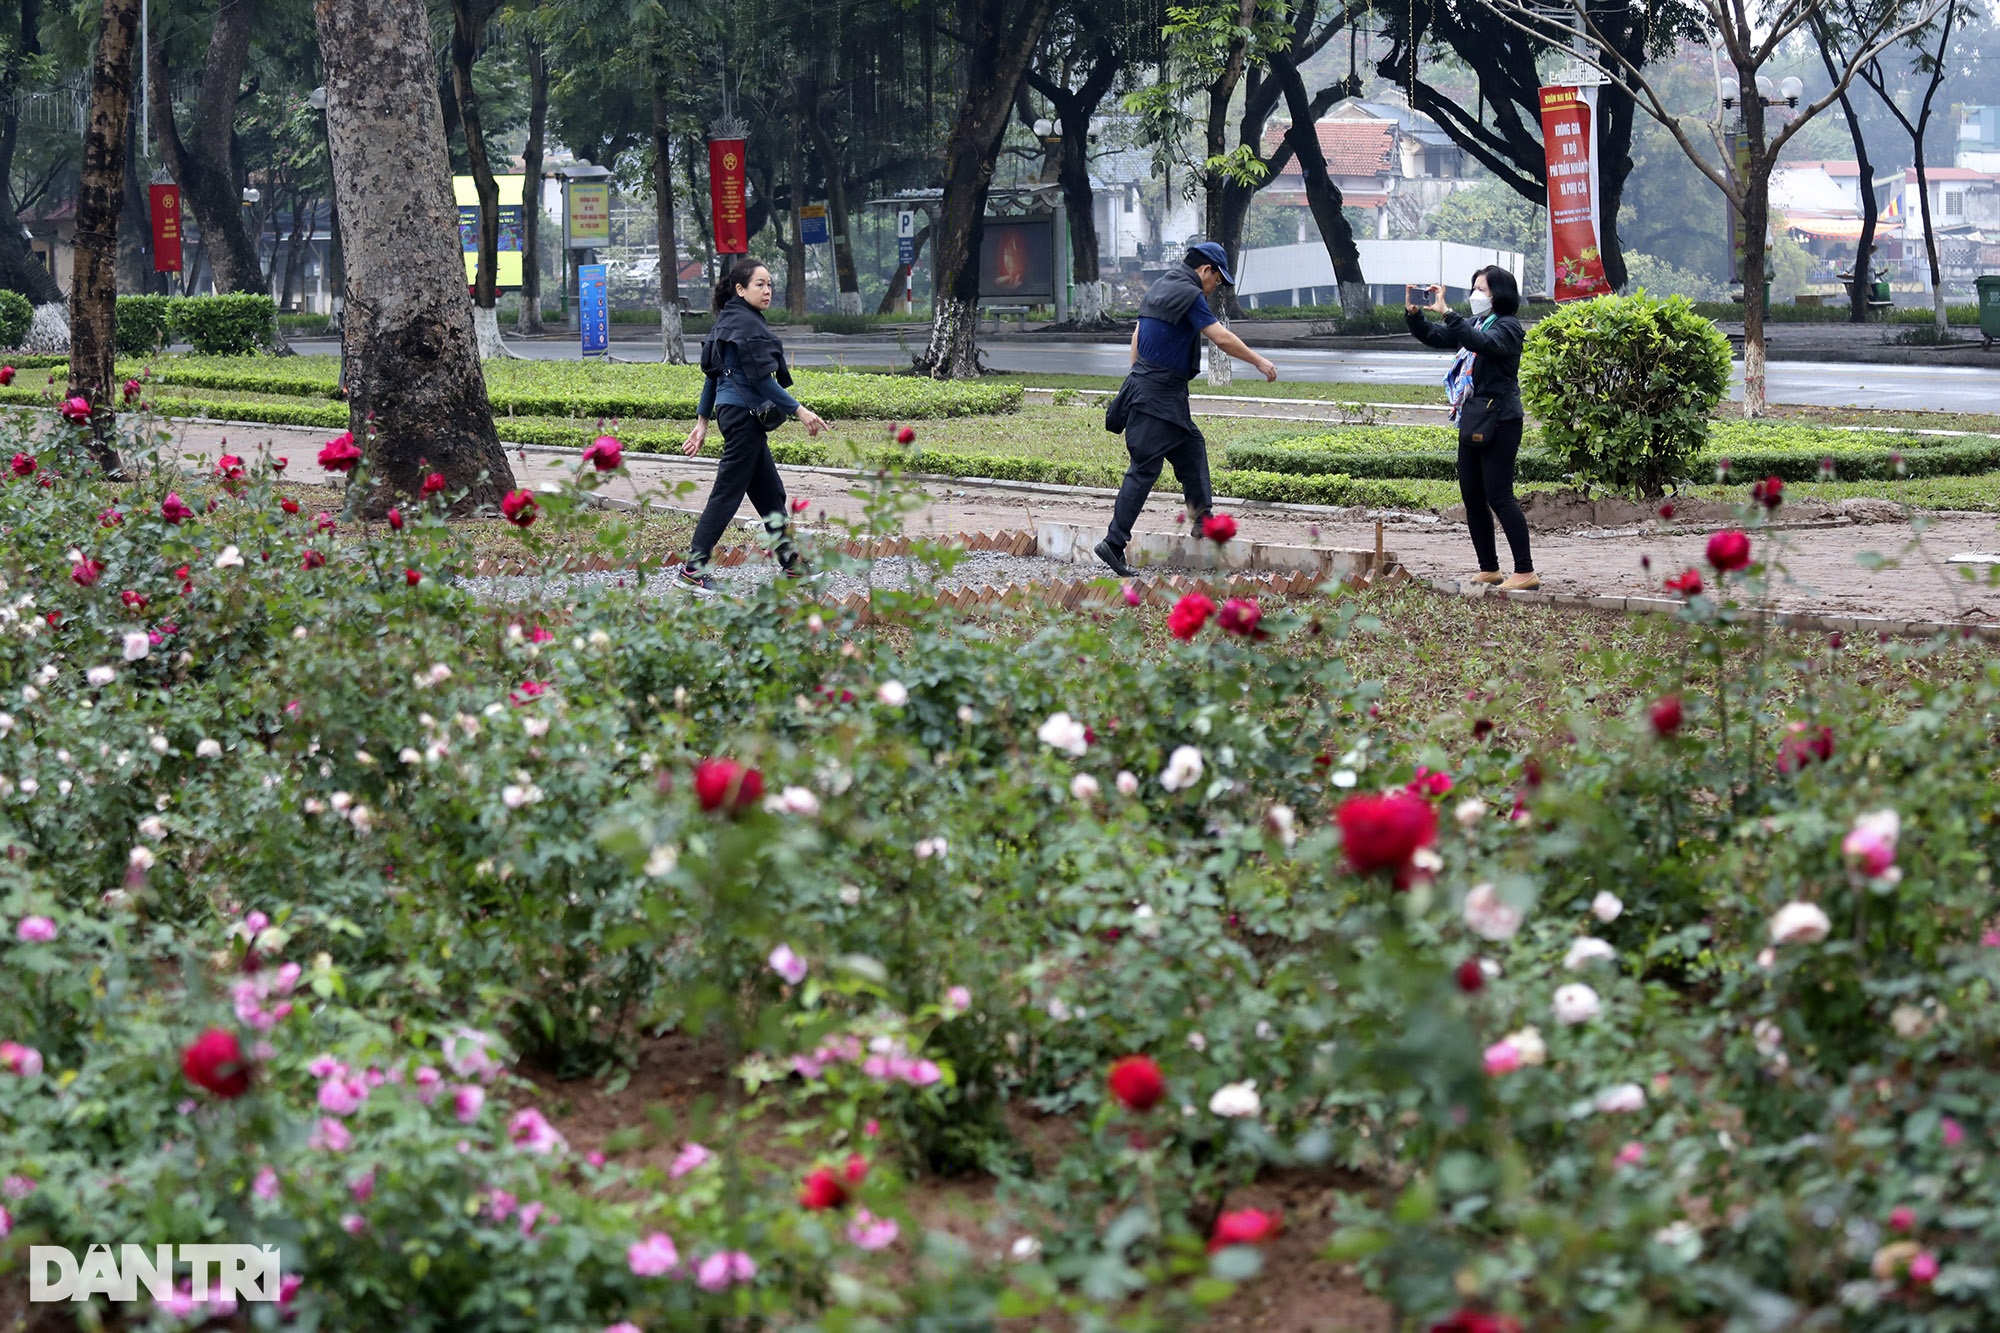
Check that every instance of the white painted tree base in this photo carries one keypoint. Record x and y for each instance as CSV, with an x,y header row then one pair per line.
x,y
673,343
1220,369
850,303
50,330
1091,301
486,329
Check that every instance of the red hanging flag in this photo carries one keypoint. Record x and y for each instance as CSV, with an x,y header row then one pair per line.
x,y
725,193
1569,122
166,209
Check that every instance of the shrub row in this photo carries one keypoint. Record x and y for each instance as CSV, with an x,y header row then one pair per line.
x,y
17,316
234,325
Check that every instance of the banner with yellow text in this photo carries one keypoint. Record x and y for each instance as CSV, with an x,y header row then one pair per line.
x,y
1569,128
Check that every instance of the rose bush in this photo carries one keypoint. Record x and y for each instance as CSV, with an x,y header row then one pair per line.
x,y
1582,1019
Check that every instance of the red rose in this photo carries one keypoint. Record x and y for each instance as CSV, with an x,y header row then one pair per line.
x,y
1137,1083
1473,1321
24,465
6,376
131,390
289,505
172,510
605,453
280,463
1427,783
1667,510
907,435
1687,584
312,559
822,1190
215,1061
1190,613
1240,616
110,518
1246,1226
1769,492
1384,832
520,508
85,572
800,505
1728,549
339,453
395,517
724,784
411,577
433,483
325,522
76,409
1666,715
1219,528
527,690
1803,746
855,1168
1471,977
134,601
229,467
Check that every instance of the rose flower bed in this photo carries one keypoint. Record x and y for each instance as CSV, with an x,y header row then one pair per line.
x,y
1676,1014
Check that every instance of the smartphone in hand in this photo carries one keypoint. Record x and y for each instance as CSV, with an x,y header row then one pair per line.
x,y
1417,295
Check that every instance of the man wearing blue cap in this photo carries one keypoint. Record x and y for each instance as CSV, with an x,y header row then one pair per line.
x,y
1152,406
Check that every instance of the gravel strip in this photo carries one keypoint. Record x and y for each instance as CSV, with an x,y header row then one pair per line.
x,y
978,569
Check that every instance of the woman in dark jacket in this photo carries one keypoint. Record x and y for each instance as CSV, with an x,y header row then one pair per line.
x,y
1485,388
745,389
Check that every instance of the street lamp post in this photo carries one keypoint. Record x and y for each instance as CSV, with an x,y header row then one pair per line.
x,y
1771,95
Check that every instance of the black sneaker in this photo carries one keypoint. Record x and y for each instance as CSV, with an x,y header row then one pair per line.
x,y
1115,558
796,566
695,581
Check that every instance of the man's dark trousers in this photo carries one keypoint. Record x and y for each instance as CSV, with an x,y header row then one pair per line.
x,y
1152,442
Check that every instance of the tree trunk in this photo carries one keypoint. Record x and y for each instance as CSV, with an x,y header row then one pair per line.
x,y
904,272
468,24
1221,95
1862,287
135,239
20,269
293,289
798,301
1074,110
1615,111
412,367
998,54
529,320
836,203
100,196
1322,195
1756,219
673,349
205,164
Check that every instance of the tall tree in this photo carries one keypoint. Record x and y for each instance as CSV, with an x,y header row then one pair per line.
x,y
530,318
205,164
1863,285
1104,62
1323,196
468,36
1000,37
93,292
832,166
673,348
1931,65
414,385
21,270
1750,40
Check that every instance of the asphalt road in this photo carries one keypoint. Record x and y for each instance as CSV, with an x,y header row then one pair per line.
x,y
1825,384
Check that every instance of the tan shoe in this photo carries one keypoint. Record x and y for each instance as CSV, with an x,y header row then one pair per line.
x,y
1521,582
1487,576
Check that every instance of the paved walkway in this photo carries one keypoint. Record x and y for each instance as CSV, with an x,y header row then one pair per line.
x,y
1823,561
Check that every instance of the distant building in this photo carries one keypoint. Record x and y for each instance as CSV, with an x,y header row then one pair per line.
x,y
1820,204
1385,159
1979,139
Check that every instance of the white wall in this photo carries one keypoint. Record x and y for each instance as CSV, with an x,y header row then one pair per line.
x,y
1279,270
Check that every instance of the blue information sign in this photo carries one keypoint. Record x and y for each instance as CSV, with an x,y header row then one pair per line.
x,y
593,309
812,224
906,250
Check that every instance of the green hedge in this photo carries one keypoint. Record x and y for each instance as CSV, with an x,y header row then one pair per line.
x,y
144,323
17,316
233,325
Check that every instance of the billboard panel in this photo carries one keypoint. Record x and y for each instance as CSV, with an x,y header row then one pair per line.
x,y
466,192
1017,259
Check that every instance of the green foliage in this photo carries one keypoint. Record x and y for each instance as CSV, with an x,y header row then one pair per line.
x,y
1493,215
1649,273
1622,387
143,324
233,325
17,316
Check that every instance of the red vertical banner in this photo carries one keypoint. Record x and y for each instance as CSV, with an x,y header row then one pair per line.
x,y
166,210
1569,124
726,198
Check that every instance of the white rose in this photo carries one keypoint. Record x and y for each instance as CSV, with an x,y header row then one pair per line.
x,y
209,749
29,694
1025,1248
152,827
1235,1101
1283,821
1586,951
6,723
1799,923
137,645
100,676
1606,906
1622,1097
1128,783
1065,733
1469,812
140,858
893,693
1576,1003
157,744
662,861
514,796
409,756
1083,787
929,847
1183,769
792,801
1487,916
536,727
340,800
1528,1044
231,558
1770,1038
362,819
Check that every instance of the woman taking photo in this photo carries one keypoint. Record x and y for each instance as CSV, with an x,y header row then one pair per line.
x,y
1484,385
745,390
